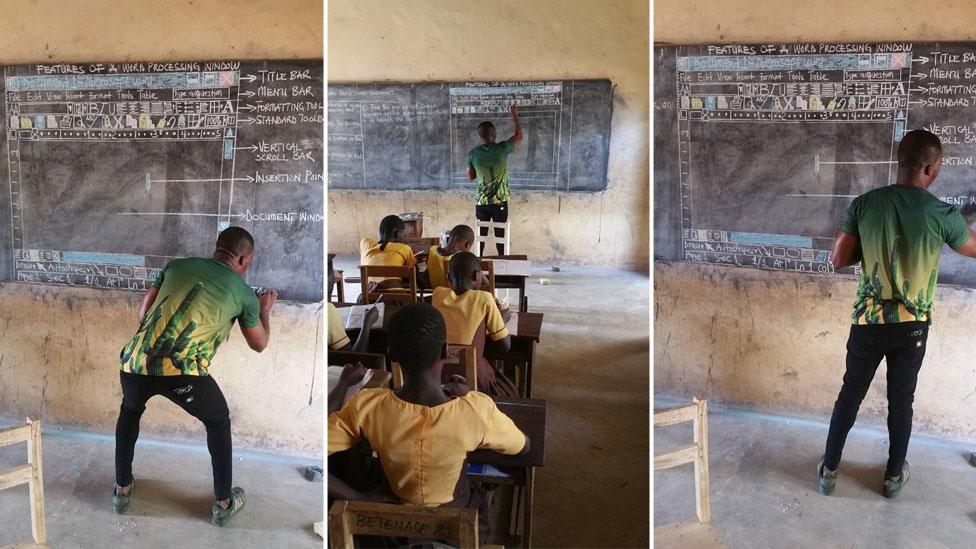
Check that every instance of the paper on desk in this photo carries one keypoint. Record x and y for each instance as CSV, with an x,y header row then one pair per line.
x,y
512,324
512,267
353,316
335,372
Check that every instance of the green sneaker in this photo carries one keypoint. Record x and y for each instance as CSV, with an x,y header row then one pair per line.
x,y
222,516
892,486
826,480
120,502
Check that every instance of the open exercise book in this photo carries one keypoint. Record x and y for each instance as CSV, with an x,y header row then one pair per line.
x,y
336,371
353,316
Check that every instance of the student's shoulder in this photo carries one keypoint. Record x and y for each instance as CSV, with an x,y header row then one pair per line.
x,y
367,243
478,402
366,399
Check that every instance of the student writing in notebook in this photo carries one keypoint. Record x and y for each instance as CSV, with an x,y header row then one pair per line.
x,y
472,316
445,422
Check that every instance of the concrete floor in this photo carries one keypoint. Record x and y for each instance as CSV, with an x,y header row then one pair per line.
x,y
763,486
592,368
173,495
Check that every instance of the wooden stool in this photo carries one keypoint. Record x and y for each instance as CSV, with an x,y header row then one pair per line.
x,y
698,532
30,474
490,239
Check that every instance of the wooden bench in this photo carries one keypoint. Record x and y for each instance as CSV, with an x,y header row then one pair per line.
x,y
698,532
455,525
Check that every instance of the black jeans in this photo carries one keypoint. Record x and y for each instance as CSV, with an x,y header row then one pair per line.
x,y
903,345
199,396
492,212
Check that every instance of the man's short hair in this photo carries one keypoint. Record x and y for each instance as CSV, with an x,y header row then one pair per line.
x,y
416,334
462,234
485,129
918,148
235,241
463,264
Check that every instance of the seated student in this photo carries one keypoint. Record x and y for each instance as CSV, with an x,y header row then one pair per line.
x,y
446,421
338,340
388,250
460,239
472,314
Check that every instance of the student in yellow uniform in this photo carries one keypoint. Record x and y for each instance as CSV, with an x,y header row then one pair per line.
x,y
460,239
338,340
444,421
389,250
471,315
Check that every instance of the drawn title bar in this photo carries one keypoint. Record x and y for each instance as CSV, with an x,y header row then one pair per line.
x,y
849,61
173,80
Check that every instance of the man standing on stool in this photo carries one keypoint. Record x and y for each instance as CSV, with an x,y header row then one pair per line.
x,y
185,316
488,165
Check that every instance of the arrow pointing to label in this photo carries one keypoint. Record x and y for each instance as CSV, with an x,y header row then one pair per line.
x,y
921,59
246,120
919,90
916,102
246,94
248,178
249,78
918,75
238,216
246,108
252,148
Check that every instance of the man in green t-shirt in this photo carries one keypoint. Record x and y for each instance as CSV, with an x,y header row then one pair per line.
x,y
896,233
488,165
185,316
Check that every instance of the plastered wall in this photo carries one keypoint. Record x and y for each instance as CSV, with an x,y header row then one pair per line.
x,y
59,346
437,40
776,341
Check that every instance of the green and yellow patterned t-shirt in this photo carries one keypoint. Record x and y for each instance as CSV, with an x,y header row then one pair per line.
x,y
490,164
901,230
198,301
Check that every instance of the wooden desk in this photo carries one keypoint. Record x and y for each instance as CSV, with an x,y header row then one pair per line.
x,y
519,358
522,354
529,415
516,282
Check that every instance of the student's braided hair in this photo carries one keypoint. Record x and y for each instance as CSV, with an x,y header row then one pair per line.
x,y
388,226
416,335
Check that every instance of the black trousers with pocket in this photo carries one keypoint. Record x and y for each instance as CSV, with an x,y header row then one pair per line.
x,y
199,396
903,345
492,212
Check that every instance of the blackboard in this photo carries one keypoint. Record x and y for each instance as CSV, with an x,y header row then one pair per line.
x,y
114,169
759,149
401,136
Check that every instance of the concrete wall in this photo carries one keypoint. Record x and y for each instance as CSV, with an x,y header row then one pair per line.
x,y
776,341
59,346
436,40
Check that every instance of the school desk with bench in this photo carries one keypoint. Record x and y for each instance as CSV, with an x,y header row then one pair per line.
x,y
525,329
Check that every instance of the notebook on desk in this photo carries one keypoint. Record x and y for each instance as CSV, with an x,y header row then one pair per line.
x,y
511,267
352,317
336,371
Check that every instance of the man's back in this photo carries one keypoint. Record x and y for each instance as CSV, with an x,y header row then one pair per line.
x,y
490,164
901,230
198,301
